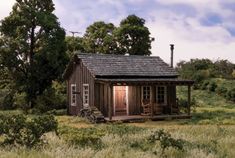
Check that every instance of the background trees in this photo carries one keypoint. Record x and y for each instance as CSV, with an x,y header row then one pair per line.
x,y
32,47
131,37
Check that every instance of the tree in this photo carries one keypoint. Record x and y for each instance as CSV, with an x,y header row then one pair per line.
x,y
99,38
133,37
33,48
73,44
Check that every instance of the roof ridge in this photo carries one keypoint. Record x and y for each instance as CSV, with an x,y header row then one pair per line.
x,y
96,54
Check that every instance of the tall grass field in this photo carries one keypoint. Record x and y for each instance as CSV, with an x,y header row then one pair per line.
x,y
209,134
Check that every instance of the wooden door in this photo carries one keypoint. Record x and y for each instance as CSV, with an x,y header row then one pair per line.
x,y
120,102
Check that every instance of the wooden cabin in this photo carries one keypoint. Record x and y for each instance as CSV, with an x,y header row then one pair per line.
x,y
121,86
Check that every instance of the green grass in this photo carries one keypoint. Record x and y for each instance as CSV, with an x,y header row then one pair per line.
x,y
209,134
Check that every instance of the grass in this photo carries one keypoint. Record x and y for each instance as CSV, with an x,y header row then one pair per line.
x,y
209,134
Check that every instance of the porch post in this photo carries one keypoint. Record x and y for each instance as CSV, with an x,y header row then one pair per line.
x,y
189,98
152,100
110,101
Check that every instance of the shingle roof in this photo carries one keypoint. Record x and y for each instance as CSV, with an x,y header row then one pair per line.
x,y
120,65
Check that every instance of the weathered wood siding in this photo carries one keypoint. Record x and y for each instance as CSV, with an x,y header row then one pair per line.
x,y
134,100
102,96
79,77
171,96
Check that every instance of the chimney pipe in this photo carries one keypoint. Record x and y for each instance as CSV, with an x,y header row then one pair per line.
x,y
172,52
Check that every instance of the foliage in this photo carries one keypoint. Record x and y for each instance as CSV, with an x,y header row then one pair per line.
x,y
201,69
19,130
52,98
84,137
230,95
212,86
32,42
99,38
133,37
166,141
221,90
73,44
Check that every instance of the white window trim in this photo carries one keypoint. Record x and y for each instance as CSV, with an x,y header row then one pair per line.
x,y
165,95
72,94
142,92
85,105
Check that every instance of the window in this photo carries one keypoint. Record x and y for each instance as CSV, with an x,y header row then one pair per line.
x,y
161,94
146,93
73,95
85,95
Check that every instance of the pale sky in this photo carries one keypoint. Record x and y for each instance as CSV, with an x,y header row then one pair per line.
x,y
198,28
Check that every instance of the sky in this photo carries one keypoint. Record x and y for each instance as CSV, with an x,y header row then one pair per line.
x,y
198,28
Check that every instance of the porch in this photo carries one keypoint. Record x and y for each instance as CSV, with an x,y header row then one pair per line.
x,y
124,98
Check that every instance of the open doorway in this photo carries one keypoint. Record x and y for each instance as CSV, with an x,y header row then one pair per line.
x,y
120,100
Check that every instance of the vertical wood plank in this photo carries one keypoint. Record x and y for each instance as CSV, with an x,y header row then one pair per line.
x,y
189,99
110,101
152,100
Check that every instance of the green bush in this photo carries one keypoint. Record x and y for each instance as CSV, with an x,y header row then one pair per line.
x,y
205,84
231,94
166,141
212,86
50,100
19,130
84,137
221,90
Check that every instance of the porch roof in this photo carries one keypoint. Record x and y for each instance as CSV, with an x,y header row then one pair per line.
x,y
160,81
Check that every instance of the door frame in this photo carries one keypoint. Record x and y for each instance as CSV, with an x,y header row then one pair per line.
x,y
127,101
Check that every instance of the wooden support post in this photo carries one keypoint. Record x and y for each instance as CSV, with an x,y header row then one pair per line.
x,y
189,98
152,100
110,102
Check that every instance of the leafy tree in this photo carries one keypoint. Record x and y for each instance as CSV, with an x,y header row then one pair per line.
x,y
99,38
32,47
73,44
133,37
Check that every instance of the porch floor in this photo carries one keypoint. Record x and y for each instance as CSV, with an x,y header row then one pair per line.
x,y
134,118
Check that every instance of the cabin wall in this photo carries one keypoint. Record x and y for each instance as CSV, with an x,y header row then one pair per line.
x,y
171,96
101,100
80,76
134,100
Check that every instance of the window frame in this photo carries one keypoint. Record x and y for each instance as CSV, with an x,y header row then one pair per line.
x,y
143,93
73,94
164,95
85,100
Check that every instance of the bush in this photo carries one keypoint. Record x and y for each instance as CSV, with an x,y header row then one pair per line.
x,y
231,94
84,137
19,130
221,90
166,141
204,85
183,104
212,86
50,100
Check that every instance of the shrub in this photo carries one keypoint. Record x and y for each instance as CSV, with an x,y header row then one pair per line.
x,y
204,85
50,100
19,130
231,94
166,141
212,86
221,90
183,104
84,137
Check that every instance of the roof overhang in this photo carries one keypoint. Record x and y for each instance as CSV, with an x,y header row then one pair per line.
x,y
146,81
